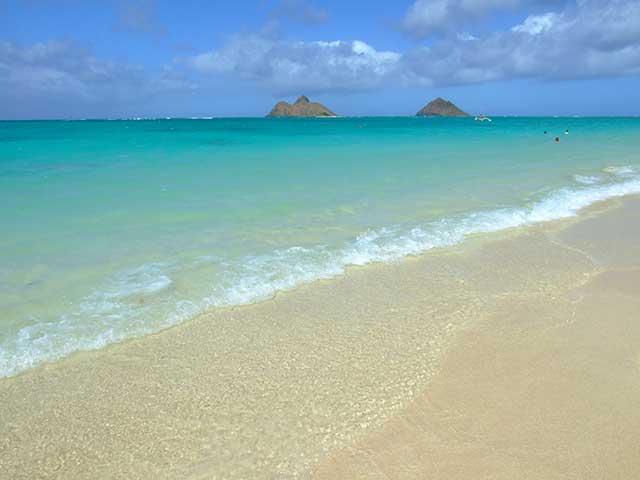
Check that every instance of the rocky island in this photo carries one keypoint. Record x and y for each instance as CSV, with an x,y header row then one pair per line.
x,y
441,108
301,108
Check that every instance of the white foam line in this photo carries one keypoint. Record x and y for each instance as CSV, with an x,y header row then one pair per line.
x,y
114,318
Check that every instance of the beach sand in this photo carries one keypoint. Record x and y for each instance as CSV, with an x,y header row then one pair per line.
x,y
514,355
544,387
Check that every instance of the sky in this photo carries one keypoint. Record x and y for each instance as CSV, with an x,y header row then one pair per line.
x,y
155,58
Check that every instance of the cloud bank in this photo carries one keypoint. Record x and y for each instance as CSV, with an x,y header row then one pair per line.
x,y
586,39
288,66
57,72
428,17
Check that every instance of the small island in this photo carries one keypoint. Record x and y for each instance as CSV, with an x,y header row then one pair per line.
x,y
301,108
441,108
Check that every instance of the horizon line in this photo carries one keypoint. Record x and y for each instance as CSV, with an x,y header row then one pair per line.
x,y
264,117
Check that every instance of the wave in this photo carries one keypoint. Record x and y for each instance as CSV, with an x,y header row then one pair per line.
x,y
127,304
587,179
624,170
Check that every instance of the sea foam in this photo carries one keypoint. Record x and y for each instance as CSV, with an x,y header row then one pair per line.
x,y
123,306
587,179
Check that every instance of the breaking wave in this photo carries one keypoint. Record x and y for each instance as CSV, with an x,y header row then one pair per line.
x,y
127,304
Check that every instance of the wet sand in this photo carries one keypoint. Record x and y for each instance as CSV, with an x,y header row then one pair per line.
x,y
510,356
544,387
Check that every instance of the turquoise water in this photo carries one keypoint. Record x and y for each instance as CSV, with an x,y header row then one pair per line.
x,y
114,229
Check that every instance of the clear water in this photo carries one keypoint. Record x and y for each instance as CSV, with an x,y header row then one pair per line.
x,y
114,229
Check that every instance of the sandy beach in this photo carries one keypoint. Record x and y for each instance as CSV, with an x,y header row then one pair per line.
x,y
545,387
512,355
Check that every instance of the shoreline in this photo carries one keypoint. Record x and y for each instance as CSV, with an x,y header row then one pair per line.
x,y
377,247
539,389
189,399
598,206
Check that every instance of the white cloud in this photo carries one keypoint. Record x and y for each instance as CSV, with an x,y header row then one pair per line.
x,y
289,66
59,67
428,17
593,38
465,37
62,72
587,39
537,24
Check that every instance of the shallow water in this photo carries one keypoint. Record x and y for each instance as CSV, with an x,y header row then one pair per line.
x,y
113,229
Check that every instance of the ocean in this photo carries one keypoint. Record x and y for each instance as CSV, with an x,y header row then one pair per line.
x,y
115,229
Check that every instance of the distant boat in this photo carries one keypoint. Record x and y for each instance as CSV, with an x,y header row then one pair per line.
x,y
482,118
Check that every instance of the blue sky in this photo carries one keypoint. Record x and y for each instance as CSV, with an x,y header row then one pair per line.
x,y
117,58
